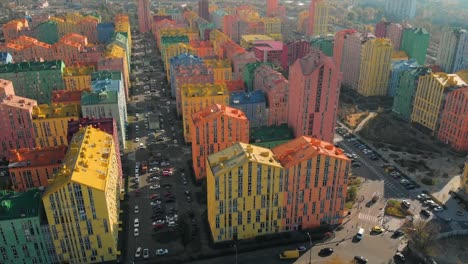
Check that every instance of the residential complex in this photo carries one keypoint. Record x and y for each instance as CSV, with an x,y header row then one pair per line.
x,y
144,15
317,22
453,128
82,203
253,104
400,9
415,42
453,50
216,128
77,78
398,67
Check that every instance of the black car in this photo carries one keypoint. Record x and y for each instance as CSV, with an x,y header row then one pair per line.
x,y
410,187
425,213
326,251
398,233
360,259
356,165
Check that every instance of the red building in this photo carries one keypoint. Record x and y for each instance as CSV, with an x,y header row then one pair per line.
x,y
297,49
216,128
66,97
453,128
338,45
271,51
314,87
144,16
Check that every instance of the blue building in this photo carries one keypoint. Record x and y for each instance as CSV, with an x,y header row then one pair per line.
x,y
5,58
253,104
397,68
182,59
105,32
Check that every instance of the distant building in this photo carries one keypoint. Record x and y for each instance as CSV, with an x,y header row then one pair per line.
x,y
297,49
105,32
415,42
216,128
338,46
272,7
144,16
324,43
396,70
400,9
47,32
203,9
453,50
351,57
253,104
25,233
271,51
317,24
453,128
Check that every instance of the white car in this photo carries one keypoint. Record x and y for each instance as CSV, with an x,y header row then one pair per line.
x,y
155,203
422,196
155,187
136,232
137,140
162,251
138,252
136,223
145,253
438,209
136,210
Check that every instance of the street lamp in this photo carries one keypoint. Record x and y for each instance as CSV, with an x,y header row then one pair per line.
x,y
235,246
310,249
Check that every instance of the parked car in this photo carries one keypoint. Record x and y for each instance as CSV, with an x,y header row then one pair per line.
x,y
145,253
136,232
425,213
405,203
138,252
136,209
326,251
136,223
161,252
299,248
360,259
400,256
377,230
438,209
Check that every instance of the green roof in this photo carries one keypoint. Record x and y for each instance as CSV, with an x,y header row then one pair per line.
x,y
263,135
19,205
103,97
32,66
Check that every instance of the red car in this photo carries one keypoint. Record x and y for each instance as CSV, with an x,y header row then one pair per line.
x,y
168,194
154,196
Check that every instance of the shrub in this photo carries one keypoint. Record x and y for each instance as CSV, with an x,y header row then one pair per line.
x,y
393,211
428,181
393,203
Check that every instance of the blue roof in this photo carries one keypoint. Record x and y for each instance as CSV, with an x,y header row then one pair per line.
x,y
240,98
185,56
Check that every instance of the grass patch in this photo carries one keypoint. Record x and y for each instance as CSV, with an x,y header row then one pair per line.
x,y
354,181
349,205
393,208
428,181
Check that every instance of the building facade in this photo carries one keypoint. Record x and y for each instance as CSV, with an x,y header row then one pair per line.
x,y
216,128
82,203
453,128
351,58
317,24
453,50
400,9
415,42
203,9
144,16
397,68
77,78
271,51
253,104
314,87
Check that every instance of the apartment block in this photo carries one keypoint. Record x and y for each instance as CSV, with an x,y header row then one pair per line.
x,y
14,28
203,6
247,41
453,50
217,17
253,104
196,97
35,80
338,46
50,123
317,23
249,73
375,67
89,191
64,97
105,31
453,128
77,78
405,91
33,168
271,51
222,69
297,49
302,19
400,9
216,128
240,61
174,51
183,59
115,59
351,57
415,42
25,233
47,32
324,43
430,94
397,68
78,24
314,87
276,89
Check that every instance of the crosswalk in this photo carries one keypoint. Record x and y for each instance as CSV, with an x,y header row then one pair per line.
x,y
368,218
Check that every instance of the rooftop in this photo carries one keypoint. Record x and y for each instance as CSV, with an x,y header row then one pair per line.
x,y
87,160
303,148
37,157
267,45
448,80
66,96
32,66
102,97
106,74
270,76
240,153
18,102
252,38
20,205
105,124
78,71
44,111
184,56
218,63
106,85
241,98
399,55
216,110
205,89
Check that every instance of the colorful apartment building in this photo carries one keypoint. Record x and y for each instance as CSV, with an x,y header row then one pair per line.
x,y
453,50
74,23
174,51
203,48
380,30
253,104
271,51
115,59
324,43
122,25
25,235
167,41
397,68
115,85
217,17
77,78
229,49
144,16
302,19
375,67
184,59
5,58
35,80
415,42
88,197
50,123
272,26
338,46
247,41
196,97
106,104
17,129
351,57
395,34
273,196
216,128
400,9
14,28
430,94
317,22
405,91
222,69
297,49
276,89
47,32
239,63
249,73
33,168
65,97
314,88
453,128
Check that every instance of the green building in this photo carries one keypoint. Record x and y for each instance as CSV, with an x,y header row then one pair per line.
x,y
405,91
47,32
167,41
325,44
249,73
415,42
35,80
270,137
24,231
120,39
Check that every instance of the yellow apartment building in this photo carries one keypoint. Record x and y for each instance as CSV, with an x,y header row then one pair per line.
x,y
196,97
77,78
247,40
376,59
82,202
429,98
222,69
272,25
50,123
241,179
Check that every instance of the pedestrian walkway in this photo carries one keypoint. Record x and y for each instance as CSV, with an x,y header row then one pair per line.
x,y
368,218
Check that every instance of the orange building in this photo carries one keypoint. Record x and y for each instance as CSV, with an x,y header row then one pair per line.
x,y
316,179
214,129
13,28
203,49
67,97
32,168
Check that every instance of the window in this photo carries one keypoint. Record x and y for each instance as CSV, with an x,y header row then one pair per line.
x,y
249,217
89,226
322,206
257,216
98,238
217,221
239,218
313,207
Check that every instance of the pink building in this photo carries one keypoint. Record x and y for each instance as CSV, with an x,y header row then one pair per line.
x,y
229,48
395,33
314,87
276,88
338,45
272,7
453,128
271,51
231,27
381,29
351,58
239,60
144,16
16,129
203,9
297,49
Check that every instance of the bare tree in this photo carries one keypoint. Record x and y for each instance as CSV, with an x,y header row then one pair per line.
x,y
421,234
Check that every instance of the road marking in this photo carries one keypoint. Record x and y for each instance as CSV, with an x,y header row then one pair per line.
x,y
368,218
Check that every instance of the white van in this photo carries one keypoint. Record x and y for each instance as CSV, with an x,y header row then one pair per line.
x,y
360,233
